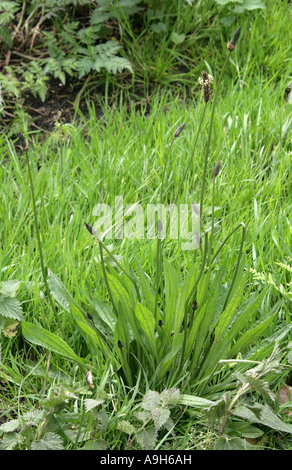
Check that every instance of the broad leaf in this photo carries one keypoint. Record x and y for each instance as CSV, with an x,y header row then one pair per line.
x,y
41,337
267,417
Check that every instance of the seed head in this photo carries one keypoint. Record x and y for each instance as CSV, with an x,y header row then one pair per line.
x,y
120,344
91,231
232,44
216,169
179,129
206,81
23,143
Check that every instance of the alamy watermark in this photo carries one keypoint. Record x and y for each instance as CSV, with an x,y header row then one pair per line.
x,y
135,221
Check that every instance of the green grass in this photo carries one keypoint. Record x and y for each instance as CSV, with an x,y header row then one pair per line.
x,y
122,153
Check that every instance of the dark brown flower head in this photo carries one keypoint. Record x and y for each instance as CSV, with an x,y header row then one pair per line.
x,y
206,81
179,129
91,231
232,44
160,323
216,169
120,344
23,143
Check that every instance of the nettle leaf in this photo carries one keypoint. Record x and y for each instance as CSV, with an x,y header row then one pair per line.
x,y
10,307
265,416
232,443
90,403
10,426
95,445
151,400
99,16
256,384
147,438
142,415
51,441
160,416
127,427
9,288
10,441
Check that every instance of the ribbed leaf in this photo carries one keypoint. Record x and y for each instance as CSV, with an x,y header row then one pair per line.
x,y
227,316
147,323
59,291
171,294
41,337
245,315
251,335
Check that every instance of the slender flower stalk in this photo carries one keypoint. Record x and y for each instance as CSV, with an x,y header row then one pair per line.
x,y
237,265
24,147
230,46
159,244
206,83
191,156
215,174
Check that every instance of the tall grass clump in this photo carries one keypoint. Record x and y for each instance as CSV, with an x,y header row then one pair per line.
x,y
172,328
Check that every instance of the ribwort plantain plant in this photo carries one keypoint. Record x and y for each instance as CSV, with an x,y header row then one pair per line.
x,y
173,328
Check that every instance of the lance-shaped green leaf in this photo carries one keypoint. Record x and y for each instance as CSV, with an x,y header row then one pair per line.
x,y
147,324
37,335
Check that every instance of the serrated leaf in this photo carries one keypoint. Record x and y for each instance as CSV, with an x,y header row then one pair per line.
x,y
9,288
90,403
158,27
9,426
147,438
142,415
10,307
9,441
101,444
232,443
127,427
98,16
160,415
256,385
151,400
267,417
51,441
